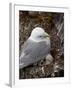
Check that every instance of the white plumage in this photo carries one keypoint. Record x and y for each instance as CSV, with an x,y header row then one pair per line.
x,y
35,48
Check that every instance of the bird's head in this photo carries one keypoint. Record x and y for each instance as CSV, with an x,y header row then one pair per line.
x,y
39,34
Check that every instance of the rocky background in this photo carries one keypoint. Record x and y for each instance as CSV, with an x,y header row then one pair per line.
x,y
53,24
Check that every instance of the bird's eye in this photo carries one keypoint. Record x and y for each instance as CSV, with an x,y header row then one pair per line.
x,y
40,36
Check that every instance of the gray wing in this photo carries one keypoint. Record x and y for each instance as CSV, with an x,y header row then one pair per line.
x,y
33,52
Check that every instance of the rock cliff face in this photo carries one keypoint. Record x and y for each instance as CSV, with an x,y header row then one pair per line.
x,y
53,23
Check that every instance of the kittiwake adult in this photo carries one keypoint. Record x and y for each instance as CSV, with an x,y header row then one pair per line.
x,y
36,47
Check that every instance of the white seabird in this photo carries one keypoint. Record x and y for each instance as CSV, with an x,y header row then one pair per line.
x,y
36,47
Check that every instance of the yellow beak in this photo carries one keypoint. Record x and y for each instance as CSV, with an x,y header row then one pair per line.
x,y
46,35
